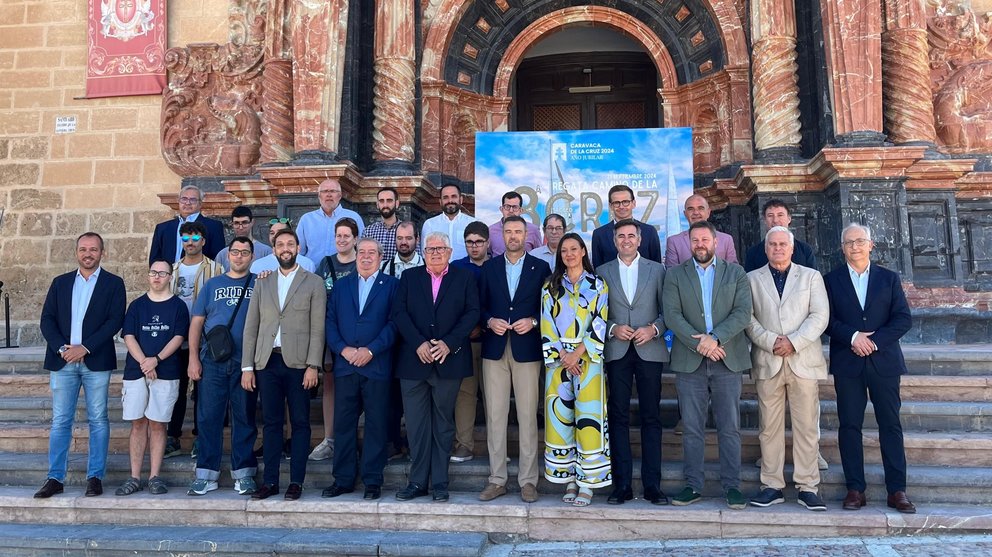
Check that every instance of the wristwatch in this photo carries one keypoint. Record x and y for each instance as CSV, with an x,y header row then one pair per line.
x,y
534,322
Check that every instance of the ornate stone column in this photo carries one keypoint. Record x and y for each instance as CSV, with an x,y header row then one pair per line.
x,y
277,111
852,40
394,82
906,96
776,84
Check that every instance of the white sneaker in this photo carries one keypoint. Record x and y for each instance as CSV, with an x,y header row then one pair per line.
x,y
323,451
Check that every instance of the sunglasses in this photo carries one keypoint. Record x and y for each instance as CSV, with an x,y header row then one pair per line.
x,y
193,238
283,220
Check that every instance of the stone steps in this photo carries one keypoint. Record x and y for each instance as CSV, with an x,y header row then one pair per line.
x,y
504,518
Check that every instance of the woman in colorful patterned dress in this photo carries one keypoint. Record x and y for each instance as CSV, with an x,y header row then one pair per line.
x,y
573,324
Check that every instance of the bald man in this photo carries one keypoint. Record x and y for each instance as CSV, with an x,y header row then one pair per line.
x,y
677,247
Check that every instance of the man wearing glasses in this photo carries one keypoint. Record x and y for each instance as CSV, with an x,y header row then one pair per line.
x,y
165,241
512,205
554,229
622,204
316,228
188,277
242,222
269,262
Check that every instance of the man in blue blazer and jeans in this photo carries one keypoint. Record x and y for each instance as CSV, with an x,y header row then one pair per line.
x,y
83,311
868,316
360,334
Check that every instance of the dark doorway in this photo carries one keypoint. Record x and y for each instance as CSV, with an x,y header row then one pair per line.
x,y
587,91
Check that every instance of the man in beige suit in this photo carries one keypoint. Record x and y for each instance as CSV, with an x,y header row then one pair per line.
x,y
284,344
790,312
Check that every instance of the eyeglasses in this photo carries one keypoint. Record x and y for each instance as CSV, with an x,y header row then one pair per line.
x,y
475,243
554,228
193,238
860,242
324,192
189,200
283,220
240,252
625,203
159,274
237,224
436,249
512,208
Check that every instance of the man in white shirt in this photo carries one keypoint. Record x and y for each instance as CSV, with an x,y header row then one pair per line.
x,y
316,228
269,262
452,221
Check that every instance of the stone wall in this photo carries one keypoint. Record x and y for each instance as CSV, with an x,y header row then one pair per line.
x,y
104,177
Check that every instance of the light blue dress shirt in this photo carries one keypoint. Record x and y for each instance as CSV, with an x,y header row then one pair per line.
x,y
706,279
364,288
860,283
82,292
513,271
316,231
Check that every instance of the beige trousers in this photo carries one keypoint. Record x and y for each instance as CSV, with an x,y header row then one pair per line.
x,y
467,402
804,407
498,377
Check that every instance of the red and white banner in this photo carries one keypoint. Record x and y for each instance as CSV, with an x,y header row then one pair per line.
x,y
126,48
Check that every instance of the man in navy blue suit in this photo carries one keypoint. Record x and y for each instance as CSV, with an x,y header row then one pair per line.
x,y
868,316
165,241
360,334
510,298
83,311
622,204
435,310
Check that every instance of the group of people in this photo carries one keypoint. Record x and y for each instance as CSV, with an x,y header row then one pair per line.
x,y
408,326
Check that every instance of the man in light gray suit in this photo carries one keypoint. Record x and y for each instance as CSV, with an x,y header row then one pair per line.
x,y
634,350
284,344
707,304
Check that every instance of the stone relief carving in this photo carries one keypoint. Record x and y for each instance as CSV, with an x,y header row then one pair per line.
x,y
961,75
211,122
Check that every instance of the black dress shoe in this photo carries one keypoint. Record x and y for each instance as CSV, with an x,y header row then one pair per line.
x,y
440,495
411,491
373,492
620,495
333,491
293,492
94,487
266,491
51,487
655,497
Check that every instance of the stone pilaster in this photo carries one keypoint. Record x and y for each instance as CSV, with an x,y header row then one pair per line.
x,y
906,74
776,84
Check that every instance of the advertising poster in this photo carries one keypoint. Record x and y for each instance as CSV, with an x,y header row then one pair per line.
x,y
571,172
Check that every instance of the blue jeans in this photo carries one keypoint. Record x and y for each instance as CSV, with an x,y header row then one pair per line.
x,y
220,387
65,385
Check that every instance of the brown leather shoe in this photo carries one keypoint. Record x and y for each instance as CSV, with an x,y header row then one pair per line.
x,y
492,491
855,500
901,503
528,493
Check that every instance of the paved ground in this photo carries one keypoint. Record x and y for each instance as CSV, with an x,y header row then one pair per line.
x,y
923,546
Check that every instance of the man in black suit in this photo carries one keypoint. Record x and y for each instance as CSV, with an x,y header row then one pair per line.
x,y
510,297
436,308
776,213
83,311
868,316
622,204
165,241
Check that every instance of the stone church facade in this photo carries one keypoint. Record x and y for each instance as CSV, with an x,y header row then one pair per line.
x,y
871,111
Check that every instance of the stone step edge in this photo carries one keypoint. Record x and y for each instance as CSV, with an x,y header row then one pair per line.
x,y
506,516
173,540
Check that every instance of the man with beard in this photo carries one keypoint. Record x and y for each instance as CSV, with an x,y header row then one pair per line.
x,y
678,248
284,344
220,381
384,231
511,205
316,228
622,204
360,332
452,221
436,308
707,304
83,311
406,258
554,229
188,277
510,296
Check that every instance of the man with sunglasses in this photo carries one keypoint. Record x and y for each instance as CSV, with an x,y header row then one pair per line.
x,y
622,203
188,277
511,204
165,241
269,262
242,221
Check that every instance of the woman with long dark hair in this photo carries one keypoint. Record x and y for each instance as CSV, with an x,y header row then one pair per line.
x,y
573,326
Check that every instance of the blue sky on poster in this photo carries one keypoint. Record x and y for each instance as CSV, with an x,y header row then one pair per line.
x,y
595,161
